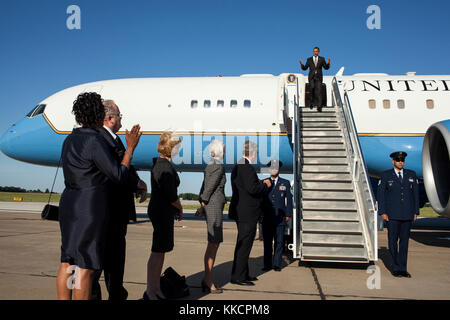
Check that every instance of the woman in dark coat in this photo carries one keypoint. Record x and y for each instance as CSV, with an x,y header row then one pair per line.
x,y
163,208
89,168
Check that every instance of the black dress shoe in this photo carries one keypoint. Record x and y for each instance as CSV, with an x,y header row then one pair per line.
x,y
252,279
266,269
242,283
277,269
405,274
396,274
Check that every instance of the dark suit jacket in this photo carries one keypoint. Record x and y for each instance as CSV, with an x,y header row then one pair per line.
x,y
278,202
399,200
164,182
122,195
315,72
248,192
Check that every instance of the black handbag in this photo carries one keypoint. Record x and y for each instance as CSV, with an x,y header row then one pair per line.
x,y
51,212
173,286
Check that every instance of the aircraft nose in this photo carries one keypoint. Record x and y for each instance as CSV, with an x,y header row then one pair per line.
x,y
5,140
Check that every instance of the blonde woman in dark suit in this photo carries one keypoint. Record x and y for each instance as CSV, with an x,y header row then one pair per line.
x,y
212,198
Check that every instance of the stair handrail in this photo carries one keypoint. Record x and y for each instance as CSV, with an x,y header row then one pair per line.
x,y
359,170
296,173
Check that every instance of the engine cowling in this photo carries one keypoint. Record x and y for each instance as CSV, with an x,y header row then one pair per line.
x,y
436,166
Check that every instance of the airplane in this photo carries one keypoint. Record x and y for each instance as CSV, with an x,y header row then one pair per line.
x,y
391,112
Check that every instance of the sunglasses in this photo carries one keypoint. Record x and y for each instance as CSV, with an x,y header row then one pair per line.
x,y
399,160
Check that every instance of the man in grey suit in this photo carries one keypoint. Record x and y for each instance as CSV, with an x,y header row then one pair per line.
x,y
246,209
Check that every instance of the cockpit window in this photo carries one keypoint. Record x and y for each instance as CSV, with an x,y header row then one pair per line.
x,y
39,109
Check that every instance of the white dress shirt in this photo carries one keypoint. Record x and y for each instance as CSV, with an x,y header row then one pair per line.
x,y
110,132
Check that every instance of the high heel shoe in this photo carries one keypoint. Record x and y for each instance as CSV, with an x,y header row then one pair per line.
x,y
207,289
157,296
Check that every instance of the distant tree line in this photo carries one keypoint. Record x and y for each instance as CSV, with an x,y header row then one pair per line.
x,y
184,196
21,190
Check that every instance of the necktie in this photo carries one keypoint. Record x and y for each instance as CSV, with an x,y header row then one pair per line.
x,y
315,61
119,143
400,176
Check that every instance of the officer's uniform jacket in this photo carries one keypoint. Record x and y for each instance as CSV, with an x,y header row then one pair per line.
x,y
399,200
278,202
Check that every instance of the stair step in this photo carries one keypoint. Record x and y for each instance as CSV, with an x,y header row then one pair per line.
x,y
330,215
307,168
307,140
318,253
324,153
326,185
324,161
318,119
304,115
322,133
332,177
328,205
323,146
331,226
332,239
324,109
329,195
321,124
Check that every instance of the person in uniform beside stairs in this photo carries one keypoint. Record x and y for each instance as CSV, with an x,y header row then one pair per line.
x,y
278,210
398,204
315,76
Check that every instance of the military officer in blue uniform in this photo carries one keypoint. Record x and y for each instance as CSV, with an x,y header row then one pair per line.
x,y
277,208
398,204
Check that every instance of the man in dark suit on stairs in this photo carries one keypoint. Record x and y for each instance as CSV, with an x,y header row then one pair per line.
x,y
315,76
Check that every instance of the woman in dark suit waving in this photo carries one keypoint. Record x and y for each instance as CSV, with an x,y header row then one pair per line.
x,y
89,168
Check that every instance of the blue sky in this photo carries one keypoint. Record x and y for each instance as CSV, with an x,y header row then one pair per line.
x,y
121,39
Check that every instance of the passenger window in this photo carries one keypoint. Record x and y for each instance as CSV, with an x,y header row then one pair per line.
x,y
220,104
233,103
401,104
386,104
247,103
194,104
207,104
430,104
372,104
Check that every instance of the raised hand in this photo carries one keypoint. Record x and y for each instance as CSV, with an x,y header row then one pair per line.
x,y
132,137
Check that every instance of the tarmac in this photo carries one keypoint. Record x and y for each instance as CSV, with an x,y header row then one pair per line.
x,y
30,252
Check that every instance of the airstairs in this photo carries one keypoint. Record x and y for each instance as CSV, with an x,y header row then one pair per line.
x,y
335,214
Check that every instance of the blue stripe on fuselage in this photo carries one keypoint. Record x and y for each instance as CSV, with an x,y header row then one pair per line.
x,y
33,140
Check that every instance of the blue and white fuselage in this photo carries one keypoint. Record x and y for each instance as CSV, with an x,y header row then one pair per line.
x,y
391,113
